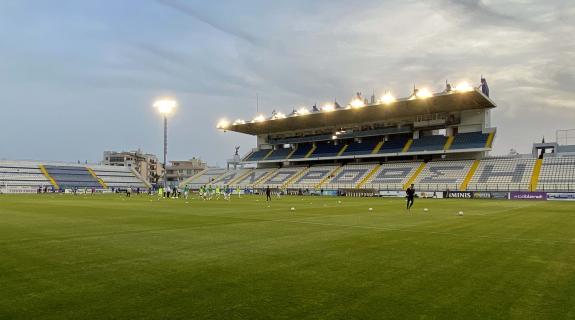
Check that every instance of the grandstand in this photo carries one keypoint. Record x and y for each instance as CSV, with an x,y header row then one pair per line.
x,y
29,176
439,143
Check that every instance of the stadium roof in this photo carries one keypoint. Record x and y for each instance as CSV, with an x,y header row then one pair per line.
x,y
443,102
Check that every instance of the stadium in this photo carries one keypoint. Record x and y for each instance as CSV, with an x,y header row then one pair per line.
x,y
434,197
484,239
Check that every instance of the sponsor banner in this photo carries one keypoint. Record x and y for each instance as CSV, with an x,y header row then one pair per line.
x,y
329,193
565,196
460,194
482,195
518,195
499,195
385,193
429,194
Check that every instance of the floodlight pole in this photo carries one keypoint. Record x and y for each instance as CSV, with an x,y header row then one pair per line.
x,y
165,149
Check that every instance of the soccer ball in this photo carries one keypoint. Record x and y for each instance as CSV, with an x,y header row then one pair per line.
x,y
292,209
370,209
460,213
425,209
339,202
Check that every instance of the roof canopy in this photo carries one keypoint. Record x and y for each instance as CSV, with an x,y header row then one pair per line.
x,y
443,102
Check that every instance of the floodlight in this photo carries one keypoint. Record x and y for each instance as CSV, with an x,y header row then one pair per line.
x,y
328,107
223,124
302,111
387,98
423,93
259,118
165,105
463,87
357,103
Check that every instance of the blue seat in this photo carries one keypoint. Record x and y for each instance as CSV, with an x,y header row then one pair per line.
x,y
393,145
428,143
326,149
301,151
469,140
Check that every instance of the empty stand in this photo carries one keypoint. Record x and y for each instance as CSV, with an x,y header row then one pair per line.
x,y
253,177
469,140
428,143
118,177
502,174
21,174
326,149
349,176
557,174
366,146
279,154
301,151
393,145
281,176
443,175
206,177
392,176
257,155
313,177
69,177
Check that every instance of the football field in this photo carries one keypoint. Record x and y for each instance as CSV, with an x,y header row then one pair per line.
x,y
111,257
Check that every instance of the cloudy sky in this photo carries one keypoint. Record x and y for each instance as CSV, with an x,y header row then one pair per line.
x,y
79,77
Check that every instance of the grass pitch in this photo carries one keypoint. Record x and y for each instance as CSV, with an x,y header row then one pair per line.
x,y
108,257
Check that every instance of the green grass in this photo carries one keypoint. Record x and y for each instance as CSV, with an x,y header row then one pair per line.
x,y
107,257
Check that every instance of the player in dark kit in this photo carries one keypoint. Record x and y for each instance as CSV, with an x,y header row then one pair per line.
x,y
268,194
410,195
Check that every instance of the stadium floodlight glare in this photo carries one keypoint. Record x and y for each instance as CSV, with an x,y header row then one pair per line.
x,y
333,137
259,118
239,121
423,94
328,107
387,98
279,115
463,87
223,124
165,105
302,111
357,103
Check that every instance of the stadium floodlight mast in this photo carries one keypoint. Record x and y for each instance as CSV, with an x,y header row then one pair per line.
x,y
165,107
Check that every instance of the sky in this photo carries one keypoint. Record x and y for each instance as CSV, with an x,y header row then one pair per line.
x,y
80,77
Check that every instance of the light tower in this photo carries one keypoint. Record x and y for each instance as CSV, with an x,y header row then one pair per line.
x,y
165,107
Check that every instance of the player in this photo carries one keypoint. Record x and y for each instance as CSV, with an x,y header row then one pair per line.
x,y
186,192
210,192
238,191
218,192
268,194
410,195
227,192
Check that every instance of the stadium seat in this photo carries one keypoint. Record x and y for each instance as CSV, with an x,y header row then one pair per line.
x,y
443,175
279,154
428,143
393,145
313,177
349,176
301,151
359,148
326,149
502,174
557,174
257,155
469,140
392,176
